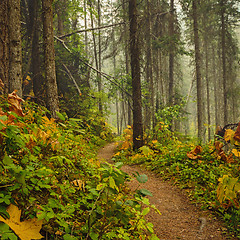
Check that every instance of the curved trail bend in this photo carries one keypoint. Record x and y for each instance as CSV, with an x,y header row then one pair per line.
x,y
179,218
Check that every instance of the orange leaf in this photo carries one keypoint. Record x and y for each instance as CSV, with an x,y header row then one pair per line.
x,y
198,149
230,159
192,156
15,103
218,146
194,153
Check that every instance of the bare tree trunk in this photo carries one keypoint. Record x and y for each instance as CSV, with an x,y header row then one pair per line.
x,y
15,47
126,51
4,52
136,83
207,85
49,57
118,120
85,25
198,71
150,113
96,56
171,53
224,71
99,57
37,78
60,12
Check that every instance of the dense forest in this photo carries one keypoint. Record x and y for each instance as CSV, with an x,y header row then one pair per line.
x,y
75,73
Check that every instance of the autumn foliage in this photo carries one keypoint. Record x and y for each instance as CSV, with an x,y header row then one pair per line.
x,y
210,173
52,184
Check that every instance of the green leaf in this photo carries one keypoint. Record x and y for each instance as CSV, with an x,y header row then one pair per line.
x,y
142,178
145,211
94,236
150,227
3,118
112,184
6,232
69,237
145,192
118,164
7,160
41,215
61,117
3,211
154,237
146,150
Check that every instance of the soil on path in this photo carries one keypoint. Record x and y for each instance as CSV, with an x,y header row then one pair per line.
x,y
179,219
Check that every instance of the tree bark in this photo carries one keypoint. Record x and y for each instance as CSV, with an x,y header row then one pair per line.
x,y
99,57
4,53
15,47
150,118
224,71
49,57
136,77
207,86
96,56
171,53
200,110
36,63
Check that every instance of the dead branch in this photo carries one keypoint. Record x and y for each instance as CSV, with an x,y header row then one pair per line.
x,y
90,29
72,78
105,75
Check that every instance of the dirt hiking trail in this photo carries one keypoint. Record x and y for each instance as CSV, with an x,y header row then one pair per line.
x,y
179,219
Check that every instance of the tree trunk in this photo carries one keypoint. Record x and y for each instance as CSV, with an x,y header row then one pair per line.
x,y
200,110
37,78
136,81
49,57
171,54
15,47
126,52
150,113
96,56
99,57
4,53
85,25
224,71
207,86
60,10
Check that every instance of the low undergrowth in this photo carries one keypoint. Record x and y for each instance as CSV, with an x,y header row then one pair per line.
x,y
209,173
53,187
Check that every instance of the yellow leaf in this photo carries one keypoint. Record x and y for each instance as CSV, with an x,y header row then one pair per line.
x,y
79,183
228,135
28,78
26,230
235,152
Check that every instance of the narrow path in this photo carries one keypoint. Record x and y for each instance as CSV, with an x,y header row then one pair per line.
x,y
179,218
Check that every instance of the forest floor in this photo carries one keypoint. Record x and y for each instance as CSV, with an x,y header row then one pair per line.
x,y
179,219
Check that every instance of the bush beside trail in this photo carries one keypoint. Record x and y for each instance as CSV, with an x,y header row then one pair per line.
x,y
210,173
52,181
